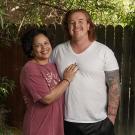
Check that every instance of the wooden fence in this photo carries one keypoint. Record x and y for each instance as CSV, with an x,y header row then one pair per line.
x,y
120,40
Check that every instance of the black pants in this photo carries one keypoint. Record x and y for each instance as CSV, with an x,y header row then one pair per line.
x,y
104,127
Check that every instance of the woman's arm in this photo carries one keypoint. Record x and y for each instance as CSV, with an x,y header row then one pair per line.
x,y
57,91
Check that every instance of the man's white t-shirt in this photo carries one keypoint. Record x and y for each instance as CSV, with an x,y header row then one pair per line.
x,y
86,97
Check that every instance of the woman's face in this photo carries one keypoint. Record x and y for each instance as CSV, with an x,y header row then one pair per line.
x,y
42,47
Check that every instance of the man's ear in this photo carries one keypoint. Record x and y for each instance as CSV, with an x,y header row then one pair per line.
x,y
88,26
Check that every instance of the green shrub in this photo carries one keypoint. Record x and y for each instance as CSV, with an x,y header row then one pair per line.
x,y
6,87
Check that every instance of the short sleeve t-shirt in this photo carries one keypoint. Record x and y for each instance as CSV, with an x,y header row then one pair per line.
x,y
86,97
36,82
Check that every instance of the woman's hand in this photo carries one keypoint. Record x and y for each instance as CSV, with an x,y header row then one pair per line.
x,y
60,88
70,72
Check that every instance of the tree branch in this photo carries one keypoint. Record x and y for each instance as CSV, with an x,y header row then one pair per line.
x,y
56,7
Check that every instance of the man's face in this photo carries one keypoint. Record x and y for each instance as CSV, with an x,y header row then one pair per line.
x,y
78,26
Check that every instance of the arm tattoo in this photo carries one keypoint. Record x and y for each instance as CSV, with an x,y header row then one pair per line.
x,y
113,81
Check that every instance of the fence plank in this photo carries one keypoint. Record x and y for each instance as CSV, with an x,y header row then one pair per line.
x,y
125,101
100,33
11,65
118,45
110,36
59,38
132,91
51,29
118,53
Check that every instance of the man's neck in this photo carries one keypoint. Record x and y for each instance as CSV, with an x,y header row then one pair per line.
x,y
80,45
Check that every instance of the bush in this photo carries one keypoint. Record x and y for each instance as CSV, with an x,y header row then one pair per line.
x,y
6,87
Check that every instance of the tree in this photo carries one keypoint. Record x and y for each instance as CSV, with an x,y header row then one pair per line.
x,y
39,12
17,13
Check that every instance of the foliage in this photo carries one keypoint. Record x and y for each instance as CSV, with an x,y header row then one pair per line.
x,y
6,87
42,12
18,13
3,113
130,17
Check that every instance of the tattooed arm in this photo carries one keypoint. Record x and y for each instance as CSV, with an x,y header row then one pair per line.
x,y
113,81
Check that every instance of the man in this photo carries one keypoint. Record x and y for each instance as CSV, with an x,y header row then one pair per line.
x,y
89,108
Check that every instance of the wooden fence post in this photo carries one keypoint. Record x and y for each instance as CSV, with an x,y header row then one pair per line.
x,y
100,33
118,53
110,36
132,92
59,38
126,67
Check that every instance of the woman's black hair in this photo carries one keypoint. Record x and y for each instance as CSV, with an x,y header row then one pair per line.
x,y
27,40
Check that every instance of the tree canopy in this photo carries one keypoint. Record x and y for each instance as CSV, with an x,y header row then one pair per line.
x,y
39,12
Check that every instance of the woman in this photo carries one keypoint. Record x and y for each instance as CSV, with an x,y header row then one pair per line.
x,y
41,87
